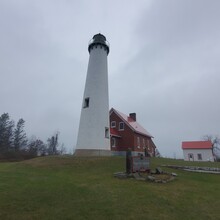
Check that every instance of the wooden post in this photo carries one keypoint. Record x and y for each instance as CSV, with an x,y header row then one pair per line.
x,y
128,161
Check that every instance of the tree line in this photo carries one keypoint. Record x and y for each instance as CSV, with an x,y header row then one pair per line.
x,y
14,143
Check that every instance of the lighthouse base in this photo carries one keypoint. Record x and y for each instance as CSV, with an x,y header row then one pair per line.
x,y
92,153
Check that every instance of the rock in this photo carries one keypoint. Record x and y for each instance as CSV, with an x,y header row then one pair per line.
x,y
120,175
137,176
151,178
159,170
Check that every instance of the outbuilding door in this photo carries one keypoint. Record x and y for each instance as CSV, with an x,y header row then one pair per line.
x,y
191,157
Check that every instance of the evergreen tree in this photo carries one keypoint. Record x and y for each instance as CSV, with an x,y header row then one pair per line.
x,y
6,132
20,138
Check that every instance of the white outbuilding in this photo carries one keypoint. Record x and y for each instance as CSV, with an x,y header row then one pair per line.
x,y
197,151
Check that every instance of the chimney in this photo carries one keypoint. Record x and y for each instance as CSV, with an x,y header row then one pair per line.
x,y
133,116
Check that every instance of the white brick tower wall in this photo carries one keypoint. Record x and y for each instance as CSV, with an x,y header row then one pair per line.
x,y
94,133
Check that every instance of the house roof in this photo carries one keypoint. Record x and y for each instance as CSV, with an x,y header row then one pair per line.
x,y
134,125
197,145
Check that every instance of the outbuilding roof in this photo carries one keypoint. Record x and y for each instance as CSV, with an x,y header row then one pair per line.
x,y
196,145
134,125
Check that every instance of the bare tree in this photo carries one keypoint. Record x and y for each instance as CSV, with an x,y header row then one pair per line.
x,y
53,144
62,149
215,143
36,147
157,153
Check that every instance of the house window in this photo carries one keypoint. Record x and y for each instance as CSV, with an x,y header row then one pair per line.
x,y
113,142
86,103
143,142
121,126
138,142
113,124
199,156
106,132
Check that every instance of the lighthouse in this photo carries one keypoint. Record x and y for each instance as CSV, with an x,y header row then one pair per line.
x,y
94,135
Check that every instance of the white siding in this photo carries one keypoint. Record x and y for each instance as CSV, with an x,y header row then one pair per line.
x,y
95,118
205,153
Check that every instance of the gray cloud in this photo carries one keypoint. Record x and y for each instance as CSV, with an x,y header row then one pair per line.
x,y
163,64
173,79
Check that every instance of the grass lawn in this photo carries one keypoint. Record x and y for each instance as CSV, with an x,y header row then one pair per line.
x,y
84,188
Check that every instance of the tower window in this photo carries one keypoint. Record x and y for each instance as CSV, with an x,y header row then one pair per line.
x,y
86,103
106,132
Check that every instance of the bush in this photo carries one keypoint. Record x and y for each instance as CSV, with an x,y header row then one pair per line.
x,y
16,156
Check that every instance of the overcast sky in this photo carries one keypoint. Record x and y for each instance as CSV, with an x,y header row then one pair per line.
x,y
164,64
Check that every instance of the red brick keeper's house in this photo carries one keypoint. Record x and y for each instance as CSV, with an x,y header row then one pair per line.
x,y
126,133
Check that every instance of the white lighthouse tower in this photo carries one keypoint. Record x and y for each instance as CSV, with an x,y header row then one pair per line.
x,y
93,135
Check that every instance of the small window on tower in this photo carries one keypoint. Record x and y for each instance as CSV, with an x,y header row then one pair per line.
x,y
86,103
106,132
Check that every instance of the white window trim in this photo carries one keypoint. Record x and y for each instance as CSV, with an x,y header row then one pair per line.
x,y
113,122
138,142
113,142
144,142
121,129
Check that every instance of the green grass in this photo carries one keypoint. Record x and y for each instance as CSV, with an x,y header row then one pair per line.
x,y
84,188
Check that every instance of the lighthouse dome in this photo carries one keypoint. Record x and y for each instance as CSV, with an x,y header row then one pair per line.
x,y
99,39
